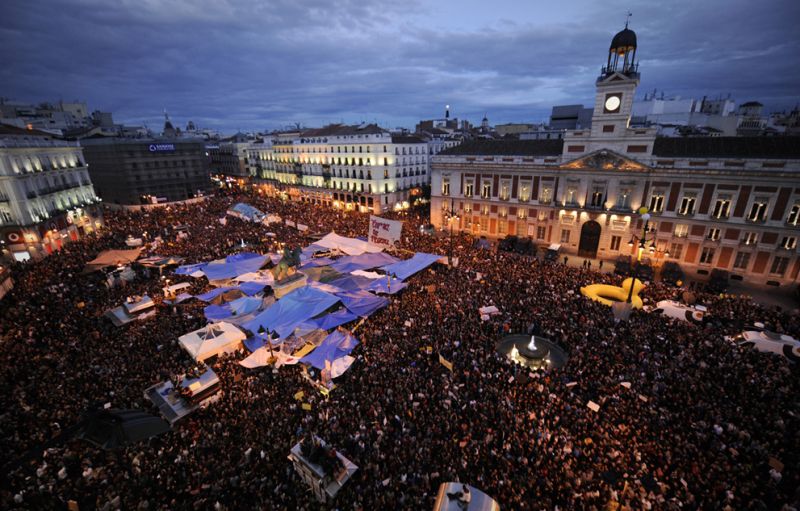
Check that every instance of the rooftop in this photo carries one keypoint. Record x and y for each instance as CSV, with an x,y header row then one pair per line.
x,y
553,147
338,130
728,147
406,139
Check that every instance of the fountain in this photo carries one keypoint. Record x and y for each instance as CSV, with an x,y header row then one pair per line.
x,y
533,352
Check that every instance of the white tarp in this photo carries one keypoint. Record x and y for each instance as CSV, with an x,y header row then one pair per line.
x,y
349,246
340,365
368,274
384,232
261,277
260,357
213,339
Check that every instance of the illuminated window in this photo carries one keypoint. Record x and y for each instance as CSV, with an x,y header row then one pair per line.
x,y
794,215
547,195
758,211
722,208
524,192
469,188
445,186
657,202
687,205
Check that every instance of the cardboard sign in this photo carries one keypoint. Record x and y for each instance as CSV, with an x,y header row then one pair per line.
x,y
446,363
299,395
384,232
593,406
306,406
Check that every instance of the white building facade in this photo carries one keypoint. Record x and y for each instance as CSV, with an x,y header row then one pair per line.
x,y
729,203
365,167
46,196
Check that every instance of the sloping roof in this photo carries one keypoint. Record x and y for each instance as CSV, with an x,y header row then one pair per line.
x,y
406,139
7,129
342,129
728,147
552,147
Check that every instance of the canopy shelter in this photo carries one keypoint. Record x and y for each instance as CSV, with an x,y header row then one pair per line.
x,y
291,310
246,212
160,262
351,282
131,310
404,269
337,345
362,303
386,286
321,273
365,261
211,340
225,269
239,307
113,258
349,246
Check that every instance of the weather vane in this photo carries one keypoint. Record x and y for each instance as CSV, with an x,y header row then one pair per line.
x,y
628,18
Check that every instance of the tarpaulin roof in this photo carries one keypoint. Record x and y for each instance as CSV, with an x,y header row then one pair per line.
x,y
349,246
336,345
366,261
250,288
238,307
318,261
409,267
321,273
351,282
114,257
380,286
247,211
335,319
291,310
362,303
210,295
234,265
212,340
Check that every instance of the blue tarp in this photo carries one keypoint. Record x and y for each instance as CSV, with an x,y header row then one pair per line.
x,y
351,282
217,312
244,305
291,310
186,269
234,266
380,286
251,288
362,303
248,211
253,343
409,267
210,295
336,345
319,261
335,319
364,261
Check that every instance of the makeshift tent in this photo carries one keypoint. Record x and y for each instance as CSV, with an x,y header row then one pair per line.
x,y
319,261
212,340
349,246
214,293
291,310
366,261
335,319
246,212
113,258
409,267
351,282
233,266
328,288
381,286
362,303
336,345
368,274
321,274
262,277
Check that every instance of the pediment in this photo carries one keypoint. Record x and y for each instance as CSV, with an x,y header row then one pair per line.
x,y
615,77
605,159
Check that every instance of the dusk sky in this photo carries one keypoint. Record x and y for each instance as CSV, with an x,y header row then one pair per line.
x,y
261,65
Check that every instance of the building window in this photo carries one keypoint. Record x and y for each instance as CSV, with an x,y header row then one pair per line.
x,y
597,198
722,208
524,193
571,196
484,209
794,215
657,202
467,222
505,189
758,211
741,261
501,227
789,242
624,198
687,205
446,186
521,229
713,234
484,224
707,256
469,188
750,238
615,241
779,265
541,232
681,230
521,213
675,250
565,235
486,190
547,195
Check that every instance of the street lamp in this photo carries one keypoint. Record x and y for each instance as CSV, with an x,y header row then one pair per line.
x,y
451,216
642,244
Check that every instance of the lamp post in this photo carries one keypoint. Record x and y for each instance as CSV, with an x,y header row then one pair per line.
x,y
451,215
642,244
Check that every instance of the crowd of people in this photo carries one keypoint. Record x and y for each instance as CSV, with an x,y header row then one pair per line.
x,y
684,419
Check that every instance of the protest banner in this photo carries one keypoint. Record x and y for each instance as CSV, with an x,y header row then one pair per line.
x,y
384,232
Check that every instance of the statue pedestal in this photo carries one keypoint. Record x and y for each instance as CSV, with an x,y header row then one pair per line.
x,y
285,286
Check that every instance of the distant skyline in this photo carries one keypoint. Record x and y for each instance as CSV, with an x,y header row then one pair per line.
x,y
255,65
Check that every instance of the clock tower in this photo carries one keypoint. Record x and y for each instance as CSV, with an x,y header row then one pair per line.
x,y
616,87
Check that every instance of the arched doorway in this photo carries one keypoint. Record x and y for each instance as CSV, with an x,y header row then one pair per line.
x,y
590,239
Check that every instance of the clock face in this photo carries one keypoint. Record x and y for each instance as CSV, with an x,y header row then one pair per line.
x,y
612,103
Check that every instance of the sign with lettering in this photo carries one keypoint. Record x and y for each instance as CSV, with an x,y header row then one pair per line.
x,y
384,232
160,148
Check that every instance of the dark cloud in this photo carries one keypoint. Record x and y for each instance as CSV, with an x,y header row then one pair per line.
x,y
235,64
